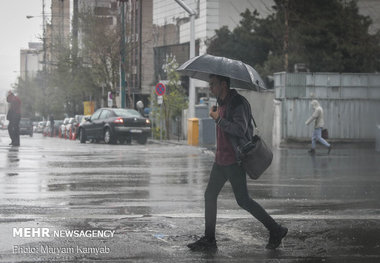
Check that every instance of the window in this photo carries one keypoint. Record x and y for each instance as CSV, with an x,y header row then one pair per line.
x,y
96,115
104,115
127,113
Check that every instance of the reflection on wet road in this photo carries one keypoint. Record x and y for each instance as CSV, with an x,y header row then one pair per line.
x,y
152,196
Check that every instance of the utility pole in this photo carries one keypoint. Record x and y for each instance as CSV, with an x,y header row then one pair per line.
x,y
122,53
44,59
43,36
192,14
75,31
286,36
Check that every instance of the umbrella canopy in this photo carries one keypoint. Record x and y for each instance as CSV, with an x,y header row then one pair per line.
x,y
241,75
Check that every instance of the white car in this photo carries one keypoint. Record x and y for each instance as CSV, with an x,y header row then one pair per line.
x,y
41,126
3,121
62,128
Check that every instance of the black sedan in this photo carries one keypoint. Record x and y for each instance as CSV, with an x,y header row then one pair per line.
x,y
26,127
114,124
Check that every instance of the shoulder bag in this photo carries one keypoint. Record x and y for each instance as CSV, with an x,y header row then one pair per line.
x,y
256,156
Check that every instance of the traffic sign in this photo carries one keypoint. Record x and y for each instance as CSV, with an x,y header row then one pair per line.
x,y
160,100
160,89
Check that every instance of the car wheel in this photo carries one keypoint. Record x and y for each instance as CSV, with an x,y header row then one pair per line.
x,y
82,136
31,134
142,140
108,136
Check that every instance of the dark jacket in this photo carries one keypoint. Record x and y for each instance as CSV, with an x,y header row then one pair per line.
x,y
237,124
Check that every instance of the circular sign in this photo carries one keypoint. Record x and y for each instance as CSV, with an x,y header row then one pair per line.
x,y
160,89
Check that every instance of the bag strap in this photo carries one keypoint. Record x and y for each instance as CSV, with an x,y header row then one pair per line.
x,y
249,106
254,122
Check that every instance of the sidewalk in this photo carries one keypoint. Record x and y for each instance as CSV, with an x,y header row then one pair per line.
x,y
177,142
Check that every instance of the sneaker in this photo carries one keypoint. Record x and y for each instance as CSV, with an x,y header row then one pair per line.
x,y
203,244
275,237
311,151
329,149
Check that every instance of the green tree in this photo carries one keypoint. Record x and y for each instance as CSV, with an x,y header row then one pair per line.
x,y
77,74
81,74
60,85
326,35
37,100
101,52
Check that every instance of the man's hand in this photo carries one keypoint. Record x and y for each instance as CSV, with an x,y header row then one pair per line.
x,y
214,114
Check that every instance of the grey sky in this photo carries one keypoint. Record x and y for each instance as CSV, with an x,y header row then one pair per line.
x,y
16,31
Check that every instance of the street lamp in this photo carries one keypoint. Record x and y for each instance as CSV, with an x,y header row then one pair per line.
x,y
192,14
123,82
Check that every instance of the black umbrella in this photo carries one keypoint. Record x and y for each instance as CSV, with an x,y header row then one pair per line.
x,y
241,75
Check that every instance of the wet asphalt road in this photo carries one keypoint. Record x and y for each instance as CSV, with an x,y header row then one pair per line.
x,y
151,196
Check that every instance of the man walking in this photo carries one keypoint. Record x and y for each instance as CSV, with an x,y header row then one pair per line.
x,y
317,117
14,116
233,126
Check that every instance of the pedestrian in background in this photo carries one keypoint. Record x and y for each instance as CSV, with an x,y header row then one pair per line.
x,y
317,117
233,119
51,119
14,116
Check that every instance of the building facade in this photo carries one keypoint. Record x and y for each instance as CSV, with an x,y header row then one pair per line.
x,y
139,55
172,28
59,30
138,65
31,60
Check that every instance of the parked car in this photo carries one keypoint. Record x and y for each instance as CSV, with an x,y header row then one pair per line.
x,y
46,129
57,125
69,128
81,120
62,128
41,126
114,124
26,127
35,124
74,128
3,121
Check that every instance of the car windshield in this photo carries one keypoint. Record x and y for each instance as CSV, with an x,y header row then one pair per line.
x,y
127,113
